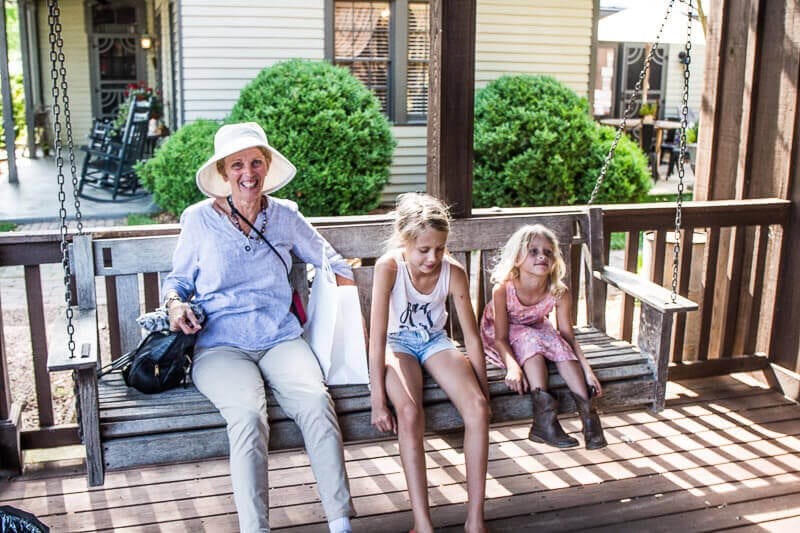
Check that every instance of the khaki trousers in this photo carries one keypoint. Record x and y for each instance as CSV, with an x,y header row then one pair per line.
x,y
234,380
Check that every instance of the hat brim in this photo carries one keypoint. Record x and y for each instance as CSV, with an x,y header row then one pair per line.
x,y
212,183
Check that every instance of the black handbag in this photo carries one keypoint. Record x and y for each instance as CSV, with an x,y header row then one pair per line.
x,y
160,362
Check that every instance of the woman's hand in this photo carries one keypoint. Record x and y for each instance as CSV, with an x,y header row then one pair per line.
x,y
383,419
592,381
181,317
516,381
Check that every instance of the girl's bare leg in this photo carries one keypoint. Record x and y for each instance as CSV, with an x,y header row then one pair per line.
x,y
454,374
536,371
404,388
573,376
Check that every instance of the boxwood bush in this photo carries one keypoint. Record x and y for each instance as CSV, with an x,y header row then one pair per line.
x,y
169,174
627,178
330,126
536,144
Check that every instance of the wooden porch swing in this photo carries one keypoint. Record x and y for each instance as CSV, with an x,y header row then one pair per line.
x,y
122,428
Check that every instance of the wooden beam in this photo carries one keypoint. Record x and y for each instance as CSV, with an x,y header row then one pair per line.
x,y
717,367
451,103
785,341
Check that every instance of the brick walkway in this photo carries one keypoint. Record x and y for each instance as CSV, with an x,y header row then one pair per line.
x,y
55,225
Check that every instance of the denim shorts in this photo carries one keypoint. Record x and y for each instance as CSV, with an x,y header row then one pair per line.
x,y
419,343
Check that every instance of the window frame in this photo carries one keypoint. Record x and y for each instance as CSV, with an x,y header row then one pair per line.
x,y
398,59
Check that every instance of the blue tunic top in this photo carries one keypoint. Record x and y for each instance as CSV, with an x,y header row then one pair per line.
x,y
241,283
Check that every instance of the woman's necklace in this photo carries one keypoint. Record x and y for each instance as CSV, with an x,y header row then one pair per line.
x,y
235,219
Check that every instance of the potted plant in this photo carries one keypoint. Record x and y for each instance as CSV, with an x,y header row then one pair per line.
x,y
138,91
691,143
648,112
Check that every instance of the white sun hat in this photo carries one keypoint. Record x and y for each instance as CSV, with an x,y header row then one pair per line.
x,y
232,138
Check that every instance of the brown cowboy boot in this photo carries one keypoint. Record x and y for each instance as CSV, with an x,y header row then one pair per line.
x,y
592,428
545,427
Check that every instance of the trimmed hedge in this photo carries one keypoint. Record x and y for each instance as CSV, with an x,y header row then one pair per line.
x,y
536,144
330,126
169,174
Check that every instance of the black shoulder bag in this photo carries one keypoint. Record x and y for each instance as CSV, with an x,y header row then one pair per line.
x,y
296,307
160,362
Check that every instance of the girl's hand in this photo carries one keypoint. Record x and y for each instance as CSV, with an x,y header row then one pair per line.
x,y
592,381
383,420
181,317
515,380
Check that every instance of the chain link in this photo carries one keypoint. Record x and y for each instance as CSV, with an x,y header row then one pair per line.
x,y
682,157
631,101
56,57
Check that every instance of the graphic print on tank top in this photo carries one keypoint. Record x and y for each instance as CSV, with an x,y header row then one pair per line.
x,y
409,309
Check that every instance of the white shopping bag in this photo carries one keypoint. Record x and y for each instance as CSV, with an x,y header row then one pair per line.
x,y
334,329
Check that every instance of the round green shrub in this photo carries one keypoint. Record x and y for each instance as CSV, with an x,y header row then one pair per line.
x,y
536,144
169,174
330,126
627,178
18,110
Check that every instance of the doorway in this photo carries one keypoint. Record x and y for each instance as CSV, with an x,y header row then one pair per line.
x,y
115,57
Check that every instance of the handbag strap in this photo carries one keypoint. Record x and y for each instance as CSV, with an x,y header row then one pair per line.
x,y
241,216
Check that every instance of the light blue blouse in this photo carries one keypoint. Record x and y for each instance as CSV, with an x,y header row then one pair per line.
x,y
241,283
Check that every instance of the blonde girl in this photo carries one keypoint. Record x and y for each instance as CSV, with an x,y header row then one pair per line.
x,y
412,282
518,336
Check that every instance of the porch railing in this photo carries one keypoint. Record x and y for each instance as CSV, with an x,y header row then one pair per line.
x,y
730,270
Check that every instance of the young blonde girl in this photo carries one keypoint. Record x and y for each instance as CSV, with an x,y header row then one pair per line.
x,y
411,285
518,336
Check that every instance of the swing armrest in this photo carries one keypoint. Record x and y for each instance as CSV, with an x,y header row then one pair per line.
x,y
86,346
647,292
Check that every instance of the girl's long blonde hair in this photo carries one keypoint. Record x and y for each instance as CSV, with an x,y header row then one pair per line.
x,y
513,254
416,212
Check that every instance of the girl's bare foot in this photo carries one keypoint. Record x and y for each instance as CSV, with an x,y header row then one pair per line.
x,y
475,526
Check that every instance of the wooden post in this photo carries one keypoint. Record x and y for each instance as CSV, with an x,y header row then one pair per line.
x,y
8,111
10,413
451,107
748,148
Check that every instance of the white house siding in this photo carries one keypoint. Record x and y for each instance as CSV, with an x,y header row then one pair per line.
x,y
408,166
674,95
76,53
226,44
534,37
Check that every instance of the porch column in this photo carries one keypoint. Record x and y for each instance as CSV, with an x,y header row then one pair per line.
x,y
451,107
8,111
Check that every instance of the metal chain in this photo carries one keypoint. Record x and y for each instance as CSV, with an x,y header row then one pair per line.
x,y
682,157
55,51
629,107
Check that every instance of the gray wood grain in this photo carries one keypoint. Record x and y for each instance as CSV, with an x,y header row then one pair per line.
x,y
90,425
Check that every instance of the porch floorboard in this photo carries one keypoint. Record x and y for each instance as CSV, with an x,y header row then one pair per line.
x,y
725,453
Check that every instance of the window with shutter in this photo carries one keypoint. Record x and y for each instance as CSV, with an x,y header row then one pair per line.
x,y
386,45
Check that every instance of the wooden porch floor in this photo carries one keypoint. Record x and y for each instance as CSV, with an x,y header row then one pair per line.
x,y
725,454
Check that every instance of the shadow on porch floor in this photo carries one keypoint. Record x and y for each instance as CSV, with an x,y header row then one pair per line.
x,y
724,454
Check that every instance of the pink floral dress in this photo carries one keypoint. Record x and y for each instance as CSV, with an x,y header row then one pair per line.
x,y
530,332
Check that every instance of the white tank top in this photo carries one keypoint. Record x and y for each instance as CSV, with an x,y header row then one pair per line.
x,y
410,310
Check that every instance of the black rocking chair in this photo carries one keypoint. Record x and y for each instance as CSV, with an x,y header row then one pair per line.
x,y
111,156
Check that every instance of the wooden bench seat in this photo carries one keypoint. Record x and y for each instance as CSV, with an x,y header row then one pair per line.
x,y
123,428
137,428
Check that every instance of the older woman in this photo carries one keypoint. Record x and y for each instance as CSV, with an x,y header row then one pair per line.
x,y
250,339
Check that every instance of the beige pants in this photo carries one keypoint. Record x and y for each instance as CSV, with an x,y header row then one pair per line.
x,y
234,381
